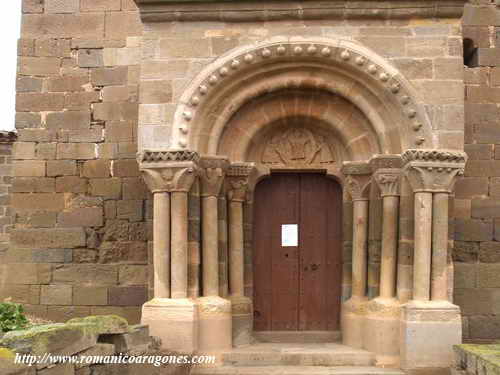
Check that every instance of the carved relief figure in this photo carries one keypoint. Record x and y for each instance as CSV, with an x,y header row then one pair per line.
x,y
297,146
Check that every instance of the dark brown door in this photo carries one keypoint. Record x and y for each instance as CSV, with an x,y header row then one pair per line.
x,y
297,285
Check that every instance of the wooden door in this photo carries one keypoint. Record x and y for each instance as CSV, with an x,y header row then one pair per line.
x,y
297,286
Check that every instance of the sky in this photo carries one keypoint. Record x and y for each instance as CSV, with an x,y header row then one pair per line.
x,y
10,21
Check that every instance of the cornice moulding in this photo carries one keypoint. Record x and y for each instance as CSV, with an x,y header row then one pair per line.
x,y
276,10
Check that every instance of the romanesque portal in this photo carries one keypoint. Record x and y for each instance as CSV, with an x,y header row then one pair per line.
x,y
275,126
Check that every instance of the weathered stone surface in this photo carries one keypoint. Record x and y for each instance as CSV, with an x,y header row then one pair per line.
x,y
38,201
127,296
27,273
49,238
465,275
488,275
90,296
90,58
39,65
484,327
109,76
471,187
108,188
37,102
75,151
133,275
133,252
33,185
82,217
62,6
489,252
61,168
28,84
87,26
485,208
97,168
31,168
130,209
100,5
71,184
126,168
134,188
68,120
88,274
473,230
465,252
56,295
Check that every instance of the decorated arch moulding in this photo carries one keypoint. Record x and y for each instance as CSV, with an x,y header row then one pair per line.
x,y
377,88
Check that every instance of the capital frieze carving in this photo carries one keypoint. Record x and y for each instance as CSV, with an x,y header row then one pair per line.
x,y
239,179
169,171
387,161
388,181
357,180
212,172
169,179
433,170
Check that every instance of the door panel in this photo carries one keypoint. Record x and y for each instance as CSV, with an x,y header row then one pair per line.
x,y
297,288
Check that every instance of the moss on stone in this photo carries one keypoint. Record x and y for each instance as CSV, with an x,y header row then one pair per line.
x,y
488,354
7,353
103,324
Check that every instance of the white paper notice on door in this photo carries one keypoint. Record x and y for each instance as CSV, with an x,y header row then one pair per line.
x,y
289,235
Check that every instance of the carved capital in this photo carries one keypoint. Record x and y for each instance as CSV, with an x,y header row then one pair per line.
x,y
239,181
433,170
357,180
169,171
212,173
388,181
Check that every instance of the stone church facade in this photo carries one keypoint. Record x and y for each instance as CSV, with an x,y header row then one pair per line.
x,y
225,171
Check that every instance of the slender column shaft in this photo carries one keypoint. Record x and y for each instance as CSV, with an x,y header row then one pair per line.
x,y
423,243
389,247
439,247
210,238
359,249
161,247
179,258
236,261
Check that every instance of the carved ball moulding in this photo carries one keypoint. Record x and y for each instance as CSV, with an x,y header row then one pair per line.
x,y
300,50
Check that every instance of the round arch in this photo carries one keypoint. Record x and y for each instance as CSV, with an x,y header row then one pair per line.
x,y
337,66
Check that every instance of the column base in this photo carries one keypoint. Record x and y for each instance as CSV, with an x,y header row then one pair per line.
x,y
381,331
429,329
174,321
242,312
352,321
215,326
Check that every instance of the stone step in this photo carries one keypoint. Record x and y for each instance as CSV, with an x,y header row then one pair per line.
x,y
295,370
298,336
321,354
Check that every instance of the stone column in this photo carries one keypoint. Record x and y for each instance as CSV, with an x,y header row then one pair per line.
x,y
382,317
238,180
357,183
170,174
388,182
161,244
431,174
215,333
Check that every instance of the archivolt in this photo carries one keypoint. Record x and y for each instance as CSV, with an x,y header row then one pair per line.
x,y
339,66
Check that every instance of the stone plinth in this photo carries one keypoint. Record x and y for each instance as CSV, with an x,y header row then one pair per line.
x,y
174,321
428,332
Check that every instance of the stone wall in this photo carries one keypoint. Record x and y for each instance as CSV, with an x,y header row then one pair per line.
x,y
82,213
6,141
79,245
477,204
